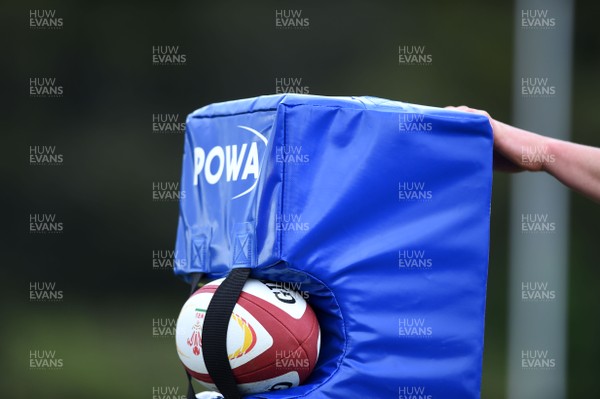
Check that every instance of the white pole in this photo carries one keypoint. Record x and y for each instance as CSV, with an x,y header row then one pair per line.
x,y
539,216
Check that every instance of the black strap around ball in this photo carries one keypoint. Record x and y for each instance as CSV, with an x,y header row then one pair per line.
x,y
214,332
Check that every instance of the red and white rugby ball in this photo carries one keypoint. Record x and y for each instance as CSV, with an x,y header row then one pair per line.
x,y
273,338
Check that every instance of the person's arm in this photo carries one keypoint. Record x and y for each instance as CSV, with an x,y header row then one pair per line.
x,y
575,165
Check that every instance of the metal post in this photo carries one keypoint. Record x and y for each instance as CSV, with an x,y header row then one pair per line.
x,y
539,217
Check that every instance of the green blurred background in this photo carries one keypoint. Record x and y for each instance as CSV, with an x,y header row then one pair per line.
x,y
102,192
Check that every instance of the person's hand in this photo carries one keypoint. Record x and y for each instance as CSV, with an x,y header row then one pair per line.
x,y
515,150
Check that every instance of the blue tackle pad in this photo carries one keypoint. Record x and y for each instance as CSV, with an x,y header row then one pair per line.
x,y
378,210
